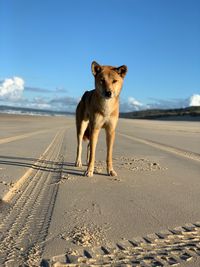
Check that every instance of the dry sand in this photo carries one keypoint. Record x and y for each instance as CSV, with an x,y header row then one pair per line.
x,y
51,215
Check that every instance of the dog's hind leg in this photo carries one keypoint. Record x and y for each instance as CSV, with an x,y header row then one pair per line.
x,y
80,133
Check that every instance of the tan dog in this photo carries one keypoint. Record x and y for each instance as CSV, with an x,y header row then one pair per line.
x,y
98,109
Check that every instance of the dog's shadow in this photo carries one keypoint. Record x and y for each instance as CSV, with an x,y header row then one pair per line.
x,y
42,165
70,169
59,167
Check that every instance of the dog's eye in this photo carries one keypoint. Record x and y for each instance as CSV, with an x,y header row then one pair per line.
x,y
114,81
102,80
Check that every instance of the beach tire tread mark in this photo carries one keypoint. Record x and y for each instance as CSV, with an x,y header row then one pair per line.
x,y
167,148
165,248
24,227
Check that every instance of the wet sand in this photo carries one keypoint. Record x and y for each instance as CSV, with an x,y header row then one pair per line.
x,y
50,211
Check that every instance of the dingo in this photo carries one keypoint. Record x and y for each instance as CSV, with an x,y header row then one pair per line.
x,y
98,109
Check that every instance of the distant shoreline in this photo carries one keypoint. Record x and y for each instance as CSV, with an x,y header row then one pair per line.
x,y
183,114
33,112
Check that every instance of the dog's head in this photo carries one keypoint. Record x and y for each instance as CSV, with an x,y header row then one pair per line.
x,y
108,79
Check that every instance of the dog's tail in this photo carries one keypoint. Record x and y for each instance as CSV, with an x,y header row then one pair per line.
x,y
86,135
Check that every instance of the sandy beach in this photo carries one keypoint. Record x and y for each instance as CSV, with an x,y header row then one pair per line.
x,y
51,215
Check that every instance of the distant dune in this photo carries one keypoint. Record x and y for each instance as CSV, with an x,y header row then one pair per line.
x,y
190,113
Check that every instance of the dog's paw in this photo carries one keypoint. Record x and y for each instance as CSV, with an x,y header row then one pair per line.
x,y
78,164
112,173
88,173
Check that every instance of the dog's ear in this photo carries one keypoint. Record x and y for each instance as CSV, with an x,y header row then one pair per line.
x,y
122,70
96,68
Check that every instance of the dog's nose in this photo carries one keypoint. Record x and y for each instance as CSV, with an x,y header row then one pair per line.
x,y
108,93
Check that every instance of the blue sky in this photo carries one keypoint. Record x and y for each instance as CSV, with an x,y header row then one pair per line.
x,y
50,45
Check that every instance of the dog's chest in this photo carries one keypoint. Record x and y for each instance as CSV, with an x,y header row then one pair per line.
x,y
107,109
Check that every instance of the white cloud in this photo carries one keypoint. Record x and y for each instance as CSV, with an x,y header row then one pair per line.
x,y
54,103
11,94
131,105
194,100
39,103
12,89
168,104
134,105
64,101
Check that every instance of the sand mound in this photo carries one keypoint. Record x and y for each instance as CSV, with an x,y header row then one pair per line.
x,y
85,236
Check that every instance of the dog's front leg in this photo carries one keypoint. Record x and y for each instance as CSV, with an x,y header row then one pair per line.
x,y
93,143
110,137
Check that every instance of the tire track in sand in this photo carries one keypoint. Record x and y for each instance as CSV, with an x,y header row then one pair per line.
x,y
167,148
24,226
21,136
170,247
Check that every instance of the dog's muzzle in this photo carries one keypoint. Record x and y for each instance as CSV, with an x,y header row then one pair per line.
x,y
108,94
